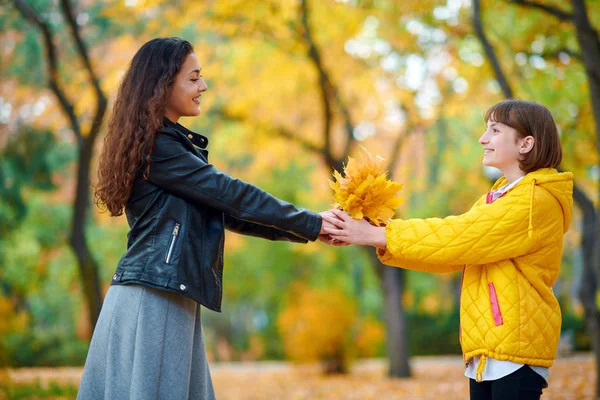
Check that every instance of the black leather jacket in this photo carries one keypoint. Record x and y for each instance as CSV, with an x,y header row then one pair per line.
x,y
177,219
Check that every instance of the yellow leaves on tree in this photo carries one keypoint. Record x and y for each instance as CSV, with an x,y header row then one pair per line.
x,y
370,338
316,326
364,191
322,325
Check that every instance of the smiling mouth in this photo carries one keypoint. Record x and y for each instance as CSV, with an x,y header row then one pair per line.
x,y
487,151
196,100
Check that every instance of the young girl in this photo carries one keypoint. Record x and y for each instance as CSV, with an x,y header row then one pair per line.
x,y
148,342
509,246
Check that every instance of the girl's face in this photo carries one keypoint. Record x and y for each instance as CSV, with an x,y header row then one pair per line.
x,y
184,99
502,146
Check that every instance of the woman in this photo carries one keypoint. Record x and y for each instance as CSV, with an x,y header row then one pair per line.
x,y
148,342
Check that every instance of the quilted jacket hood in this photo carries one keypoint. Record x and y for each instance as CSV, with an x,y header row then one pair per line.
x,y
558,184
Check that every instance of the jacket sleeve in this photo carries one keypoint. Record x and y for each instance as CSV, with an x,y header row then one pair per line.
x,y
415,265
485,234
265,232
178,170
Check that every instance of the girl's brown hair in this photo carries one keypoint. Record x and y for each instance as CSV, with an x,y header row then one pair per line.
x,y
530,119
137,115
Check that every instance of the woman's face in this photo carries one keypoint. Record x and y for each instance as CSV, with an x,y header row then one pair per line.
x,y
184,100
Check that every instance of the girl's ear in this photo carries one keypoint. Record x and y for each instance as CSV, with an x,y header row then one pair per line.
x,y
526,144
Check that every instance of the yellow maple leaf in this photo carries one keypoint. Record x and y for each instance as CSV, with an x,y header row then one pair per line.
x,y
364,190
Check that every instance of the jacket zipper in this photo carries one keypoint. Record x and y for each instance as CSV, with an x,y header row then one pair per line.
x,y
462,281
496,313
173,237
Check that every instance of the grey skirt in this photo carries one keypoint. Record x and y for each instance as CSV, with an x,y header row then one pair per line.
x,y
148,344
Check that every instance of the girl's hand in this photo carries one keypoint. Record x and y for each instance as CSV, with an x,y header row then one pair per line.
x,y
324,237
330,241
326,222
340,226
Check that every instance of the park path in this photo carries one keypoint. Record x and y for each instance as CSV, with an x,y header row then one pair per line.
x,y
439,377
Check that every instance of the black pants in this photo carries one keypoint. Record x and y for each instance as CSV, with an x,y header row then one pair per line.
x,y
523,384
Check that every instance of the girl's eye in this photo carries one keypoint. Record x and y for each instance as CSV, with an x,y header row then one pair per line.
x,y
195,80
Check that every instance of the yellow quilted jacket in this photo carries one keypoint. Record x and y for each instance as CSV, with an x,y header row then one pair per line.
x,y
510,251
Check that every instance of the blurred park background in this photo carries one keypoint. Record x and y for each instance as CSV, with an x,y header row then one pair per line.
x,y
295,87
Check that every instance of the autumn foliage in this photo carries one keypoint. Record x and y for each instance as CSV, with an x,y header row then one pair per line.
x,y
321,325
364,191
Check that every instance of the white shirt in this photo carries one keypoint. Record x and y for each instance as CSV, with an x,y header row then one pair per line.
x,y
496,369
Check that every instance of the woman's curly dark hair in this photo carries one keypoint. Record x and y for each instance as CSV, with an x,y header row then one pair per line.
x,y
136,118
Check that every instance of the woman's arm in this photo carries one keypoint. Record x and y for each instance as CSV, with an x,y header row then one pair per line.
x,y
265,232
182,173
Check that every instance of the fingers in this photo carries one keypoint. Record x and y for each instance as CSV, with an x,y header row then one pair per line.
x,y
332,221
337,243
343,215
327,222
329,213
340,240
331,241
327,239
332,229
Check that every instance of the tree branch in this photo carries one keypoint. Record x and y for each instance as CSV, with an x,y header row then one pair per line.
x,y
283,132
101,101
245,27
29,14
589,43
410,129
328,90
555,54
489,50
554,11
278,130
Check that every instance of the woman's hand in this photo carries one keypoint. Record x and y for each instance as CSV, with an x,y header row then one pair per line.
x,y
341,227
323,236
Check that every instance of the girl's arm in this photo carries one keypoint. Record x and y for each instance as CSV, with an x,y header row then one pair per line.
x,y
485,234
415,265
363,233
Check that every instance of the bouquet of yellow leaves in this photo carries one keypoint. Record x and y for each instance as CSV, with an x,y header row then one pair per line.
x,y
364,191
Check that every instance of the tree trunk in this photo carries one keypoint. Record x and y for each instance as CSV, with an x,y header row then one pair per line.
x,y
393,282
336,364
88,267
589,281
589,44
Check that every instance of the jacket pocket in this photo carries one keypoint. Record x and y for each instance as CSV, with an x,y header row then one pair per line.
x,y
496,313
172,242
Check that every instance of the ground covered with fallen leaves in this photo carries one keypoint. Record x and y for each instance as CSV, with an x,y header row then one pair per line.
x,y
433,378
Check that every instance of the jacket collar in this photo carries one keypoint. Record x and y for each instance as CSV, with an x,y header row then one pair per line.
x,y
197,139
